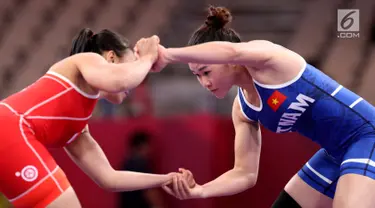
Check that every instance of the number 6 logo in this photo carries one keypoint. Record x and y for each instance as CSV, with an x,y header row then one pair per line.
x,y
346,19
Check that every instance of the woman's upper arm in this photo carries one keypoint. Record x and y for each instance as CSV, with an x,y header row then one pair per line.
x,y
247,141
256,52
83,142
98,72
111,77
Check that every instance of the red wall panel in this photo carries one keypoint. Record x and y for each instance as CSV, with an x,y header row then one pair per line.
x,y
201,143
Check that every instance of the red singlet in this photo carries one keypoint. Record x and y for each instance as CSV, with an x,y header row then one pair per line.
x,y
51,112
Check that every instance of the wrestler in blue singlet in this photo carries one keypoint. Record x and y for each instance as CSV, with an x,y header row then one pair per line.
x,y
317,107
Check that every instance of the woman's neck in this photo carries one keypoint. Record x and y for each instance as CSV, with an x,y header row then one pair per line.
x,y
243,78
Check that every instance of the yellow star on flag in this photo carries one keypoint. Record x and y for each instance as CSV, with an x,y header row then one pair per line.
x,y
275,101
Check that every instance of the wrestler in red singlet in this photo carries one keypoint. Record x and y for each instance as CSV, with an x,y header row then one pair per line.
x,y
51,112
54,112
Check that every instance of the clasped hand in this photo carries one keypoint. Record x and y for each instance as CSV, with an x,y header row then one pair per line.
x,y
183,186
150,48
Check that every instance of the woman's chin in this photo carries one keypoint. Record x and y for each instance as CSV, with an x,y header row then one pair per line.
x,y
219,95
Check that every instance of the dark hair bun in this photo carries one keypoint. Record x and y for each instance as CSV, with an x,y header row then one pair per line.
x,y
218,17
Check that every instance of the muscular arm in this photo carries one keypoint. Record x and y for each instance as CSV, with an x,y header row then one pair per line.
x,y
247,153
111,77
88,155
219,52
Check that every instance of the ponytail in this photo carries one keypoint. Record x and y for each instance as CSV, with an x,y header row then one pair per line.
x,y
104,40
82,42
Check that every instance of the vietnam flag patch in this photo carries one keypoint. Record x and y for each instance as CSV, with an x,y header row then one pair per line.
x,y
276,100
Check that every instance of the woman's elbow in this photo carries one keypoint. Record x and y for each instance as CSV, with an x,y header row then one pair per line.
x,y
106,181
251,180
106,184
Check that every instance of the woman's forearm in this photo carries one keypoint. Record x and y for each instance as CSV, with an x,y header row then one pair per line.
x,y
207,53
130,181
229,183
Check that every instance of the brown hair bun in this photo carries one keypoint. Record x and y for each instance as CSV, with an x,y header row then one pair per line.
x,y
218,17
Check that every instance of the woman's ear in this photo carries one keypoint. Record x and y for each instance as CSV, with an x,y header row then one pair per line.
x,y
110,56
